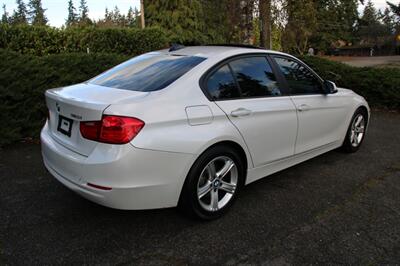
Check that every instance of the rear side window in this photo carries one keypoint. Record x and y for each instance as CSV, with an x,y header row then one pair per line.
x,y
300,79
221,85
255,77
148,72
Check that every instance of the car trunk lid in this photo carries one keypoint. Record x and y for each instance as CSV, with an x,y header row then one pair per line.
x,y
68,106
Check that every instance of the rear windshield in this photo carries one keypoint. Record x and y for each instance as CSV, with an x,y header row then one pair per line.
x,y
148,72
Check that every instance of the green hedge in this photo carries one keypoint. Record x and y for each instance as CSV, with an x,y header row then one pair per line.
x,y
24,79
39,40
380,86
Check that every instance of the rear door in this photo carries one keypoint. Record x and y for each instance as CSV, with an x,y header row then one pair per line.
x,y
248,91
320,116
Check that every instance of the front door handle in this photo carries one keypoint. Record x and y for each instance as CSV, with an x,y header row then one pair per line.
x,y
303,108
240,112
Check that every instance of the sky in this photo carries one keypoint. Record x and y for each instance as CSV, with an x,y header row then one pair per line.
x,y
57,9
381,4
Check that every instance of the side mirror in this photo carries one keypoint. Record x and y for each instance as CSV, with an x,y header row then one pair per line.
x,y
330,87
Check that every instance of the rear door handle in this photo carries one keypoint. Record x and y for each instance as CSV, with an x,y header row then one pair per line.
x,y
240,112
303,108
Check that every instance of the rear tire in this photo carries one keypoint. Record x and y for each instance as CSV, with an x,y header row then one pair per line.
x,y
356,131
213,183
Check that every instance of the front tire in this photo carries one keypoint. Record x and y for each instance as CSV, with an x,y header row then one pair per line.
x,y
213,183
356,131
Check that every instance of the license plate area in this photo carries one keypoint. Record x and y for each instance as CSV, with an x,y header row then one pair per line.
x,y
64,125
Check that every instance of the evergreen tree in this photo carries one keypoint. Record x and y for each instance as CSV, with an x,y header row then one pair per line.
x,y
136,13
216,22
84,13
266,23
106,22
4,17
370,14
395,9
301,23
107,14
36,13
347,18
240,20
246,21
370,28
117,18
114,18
130,18
72,15
183,18
396,12
20,15
335,22
388,21
277,25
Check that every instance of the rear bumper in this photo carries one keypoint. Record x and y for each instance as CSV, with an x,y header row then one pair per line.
x,y
139,178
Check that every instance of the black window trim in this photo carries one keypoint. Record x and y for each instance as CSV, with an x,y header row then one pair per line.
x,y
321,81
233,76
275,69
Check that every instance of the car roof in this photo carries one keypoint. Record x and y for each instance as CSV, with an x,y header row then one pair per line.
x,y
211,51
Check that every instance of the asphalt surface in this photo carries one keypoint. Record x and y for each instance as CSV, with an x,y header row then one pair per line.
x,y
334,209
368,61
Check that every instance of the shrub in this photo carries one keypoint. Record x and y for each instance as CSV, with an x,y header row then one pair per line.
x,y
42,40
24,79
379,86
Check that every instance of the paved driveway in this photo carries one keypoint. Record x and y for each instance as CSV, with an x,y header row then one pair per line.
x,y
336,208
359,61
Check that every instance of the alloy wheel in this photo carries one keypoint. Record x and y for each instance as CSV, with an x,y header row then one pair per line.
x,y
357,130
217,183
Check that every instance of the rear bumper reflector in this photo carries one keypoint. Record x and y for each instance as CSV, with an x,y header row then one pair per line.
x,y
98,187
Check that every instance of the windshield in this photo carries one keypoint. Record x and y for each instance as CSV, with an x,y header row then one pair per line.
x,y
148,72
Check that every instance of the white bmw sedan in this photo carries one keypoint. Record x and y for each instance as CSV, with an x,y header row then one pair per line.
x,y
190,126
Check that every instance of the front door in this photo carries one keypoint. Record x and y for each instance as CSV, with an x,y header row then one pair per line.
x,y
320,116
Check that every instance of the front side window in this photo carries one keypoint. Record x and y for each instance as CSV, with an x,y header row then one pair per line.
x,y
255,77
148,72
300,79
221,85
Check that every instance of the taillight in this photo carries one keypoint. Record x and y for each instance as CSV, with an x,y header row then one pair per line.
x,y
112,129
90,130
